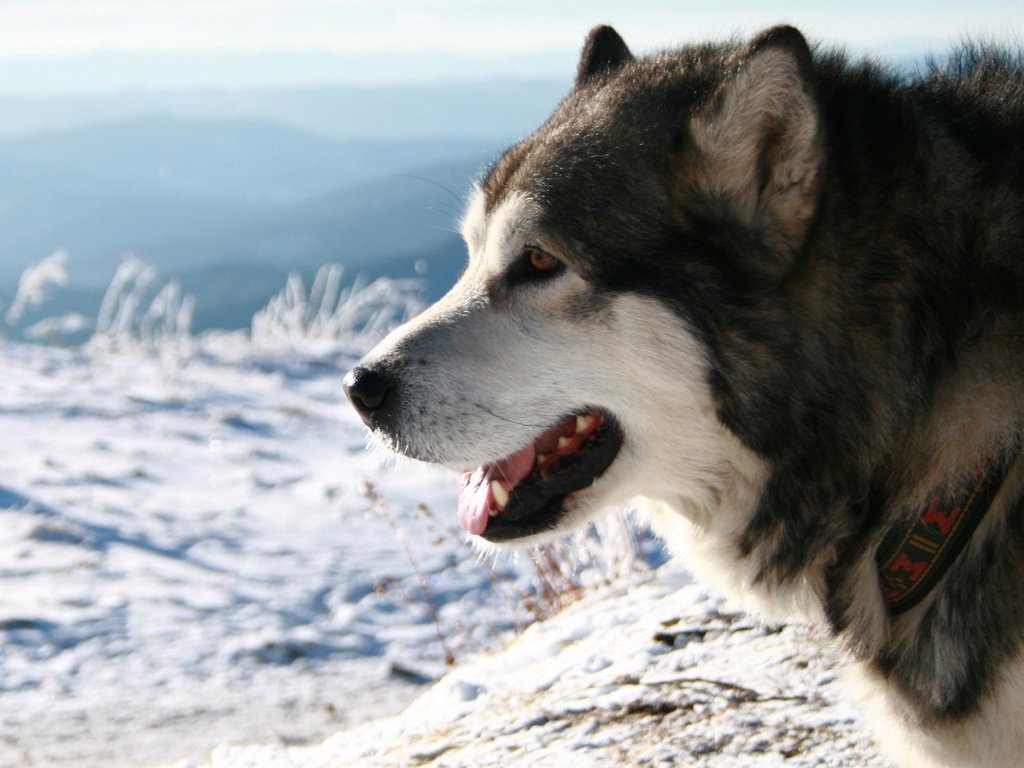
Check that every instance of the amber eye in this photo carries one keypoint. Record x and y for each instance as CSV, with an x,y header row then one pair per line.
x,y
534,265
541,261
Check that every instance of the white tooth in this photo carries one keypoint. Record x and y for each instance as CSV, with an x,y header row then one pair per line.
x,y
583,423
493,512
564,442
499,493
541,458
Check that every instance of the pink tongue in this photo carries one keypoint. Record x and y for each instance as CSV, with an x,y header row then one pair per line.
x,y
475,490
475,494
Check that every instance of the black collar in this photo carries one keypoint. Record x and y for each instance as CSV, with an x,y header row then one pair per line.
x,y
914,556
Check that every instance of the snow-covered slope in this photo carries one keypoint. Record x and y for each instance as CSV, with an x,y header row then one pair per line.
x,y
657,673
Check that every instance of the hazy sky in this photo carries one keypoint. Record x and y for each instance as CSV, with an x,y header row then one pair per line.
x,y
42,30
32,27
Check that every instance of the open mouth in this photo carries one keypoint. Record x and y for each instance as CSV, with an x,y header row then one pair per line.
x,y
525,493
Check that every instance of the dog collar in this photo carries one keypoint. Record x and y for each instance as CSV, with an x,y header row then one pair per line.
x,y
913,558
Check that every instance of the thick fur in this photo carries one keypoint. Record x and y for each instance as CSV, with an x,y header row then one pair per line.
x,y
796,282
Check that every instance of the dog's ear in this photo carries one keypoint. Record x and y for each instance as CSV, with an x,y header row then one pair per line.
x,y
604,52
759,140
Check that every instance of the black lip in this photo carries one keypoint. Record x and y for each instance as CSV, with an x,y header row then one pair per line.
x,y
537,504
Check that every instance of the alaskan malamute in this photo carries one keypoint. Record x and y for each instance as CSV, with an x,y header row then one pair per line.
x,y
777,296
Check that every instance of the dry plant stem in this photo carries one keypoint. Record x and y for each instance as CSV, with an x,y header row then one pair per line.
x,y
743,693
435,616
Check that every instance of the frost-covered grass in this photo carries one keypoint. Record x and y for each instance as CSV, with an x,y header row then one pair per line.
x,y
356,316
36,284
141,309
135,312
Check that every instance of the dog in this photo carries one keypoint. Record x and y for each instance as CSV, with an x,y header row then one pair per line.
x,y
774,297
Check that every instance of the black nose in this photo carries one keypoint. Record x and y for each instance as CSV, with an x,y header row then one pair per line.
x,y
367,389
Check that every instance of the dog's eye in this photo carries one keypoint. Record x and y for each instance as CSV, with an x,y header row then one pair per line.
x,y
535,264
541,261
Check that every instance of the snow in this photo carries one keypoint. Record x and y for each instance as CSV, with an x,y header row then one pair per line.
x,y
201,564
650,671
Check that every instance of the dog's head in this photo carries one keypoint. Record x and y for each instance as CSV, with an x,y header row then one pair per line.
x,y
572,365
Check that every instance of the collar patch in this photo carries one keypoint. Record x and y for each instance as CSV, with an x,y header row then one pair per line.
x,y
912,558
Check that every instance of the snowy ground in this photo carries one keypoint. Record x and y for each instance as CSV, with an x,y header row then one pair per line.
x,y
660,673
197,548
197,553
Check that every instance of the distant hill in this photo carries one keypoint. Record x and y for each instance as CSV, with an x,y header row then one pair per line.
x,y
186,194
242,162
45,207
401,226
365,225
229,191
495,109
